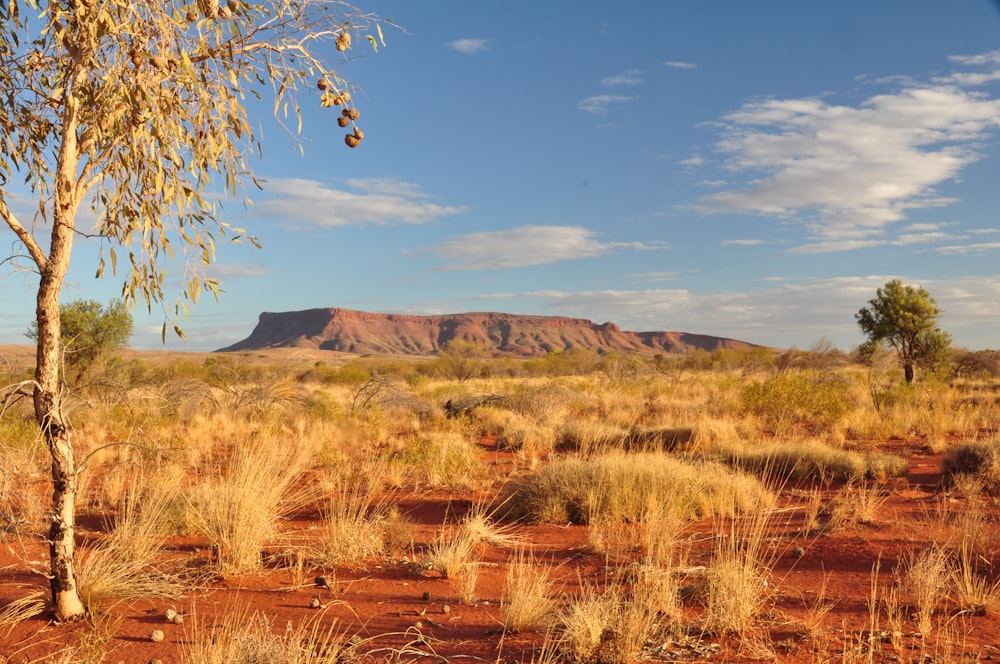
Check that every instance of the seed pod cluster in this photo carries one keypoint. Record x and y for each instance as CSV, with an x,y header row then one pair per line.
x,y
343,41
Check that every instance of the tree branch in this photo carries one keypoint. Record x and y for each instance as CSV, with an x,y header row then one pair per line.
x,y
24,235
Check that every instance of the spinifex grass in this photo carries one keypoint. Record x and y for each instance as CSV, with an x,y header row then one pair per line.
x,y
127,563
243,637
526,602
738,577
239,508
620,487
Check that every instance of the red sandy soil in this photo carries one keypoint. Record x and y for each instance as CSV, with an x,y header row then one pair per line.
x,y
400,611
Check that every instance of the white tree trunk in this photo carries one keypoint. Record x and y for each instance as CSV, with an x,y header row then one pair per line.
x,y
48,412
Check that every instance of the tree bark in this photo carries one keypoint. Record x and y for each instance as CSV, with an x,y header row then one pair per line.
x,y
49,384
908,371
48,412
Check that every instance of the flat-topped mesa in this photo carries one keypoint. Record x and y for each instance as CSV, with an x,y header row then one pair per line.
x,y
364,332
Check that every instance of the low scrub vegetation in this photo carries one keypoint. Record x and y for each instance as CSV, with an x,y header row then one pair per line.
x,y
682,492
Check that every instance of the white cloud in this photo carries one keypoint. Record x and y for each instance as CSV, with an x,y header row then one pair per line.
x,y
471,46
974,248
849,172
527,245
300,201
630,77
653,277
678,64
599,103
742,243
223,271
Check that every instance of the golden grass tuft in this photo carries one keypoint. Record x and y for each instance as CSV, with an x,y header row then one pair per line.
x,y
620,487
527,603
239,507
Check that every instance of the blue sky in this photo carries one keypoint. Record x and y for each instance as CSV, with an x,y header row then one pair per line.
x,y
744,169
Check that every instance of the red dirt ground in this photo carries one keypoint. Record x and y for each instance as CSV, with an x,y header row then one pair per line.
x,y
399,611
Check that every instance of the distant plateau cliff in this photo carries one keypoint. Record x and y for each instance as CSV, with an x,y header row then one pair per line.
x,y
361,332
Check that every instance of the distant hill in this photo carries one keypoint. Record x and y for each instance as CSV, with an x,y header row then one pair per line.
x,y
362,332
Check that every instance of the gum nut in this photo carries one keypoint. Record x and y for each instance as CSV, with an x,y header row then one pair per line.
x,y
345,96
358,134
169,614
352,141
156,635
418,625
342,121
178,619
322,84
190,17
314,603
445,609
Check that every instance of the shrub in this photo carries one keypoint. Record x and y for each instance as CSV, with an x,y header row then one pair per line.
x,y
980,459
793,398
443,459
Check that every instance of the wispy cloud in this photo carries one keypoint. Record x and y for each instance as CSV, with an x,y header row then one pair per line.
x,y
527,245
743,243
679,64
223,271
599,104
972,248
630,77
470,46
849,172
304,202
653,277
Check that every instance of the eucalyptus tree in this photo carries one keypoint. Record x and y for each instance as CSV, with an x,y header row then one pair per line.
x,y
905,319
140,110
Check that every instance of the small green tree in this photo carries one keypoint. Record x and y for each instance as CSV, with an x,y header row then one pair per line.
x,y
905,319
91,332
461,359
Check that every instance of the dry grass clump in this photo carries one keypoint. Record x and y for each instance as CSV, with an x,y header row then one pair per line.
x,y
858,502
975,593
527,603
614,626
980,459
659,438
738,577
238,508
620,487
442,459
809,460
589,437
244,638
356,527
922,578
127,564
456,550
519,433
24,608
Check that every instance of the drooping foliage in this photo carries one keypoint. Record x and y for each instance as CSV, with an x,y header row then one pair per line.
x,y
141,111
